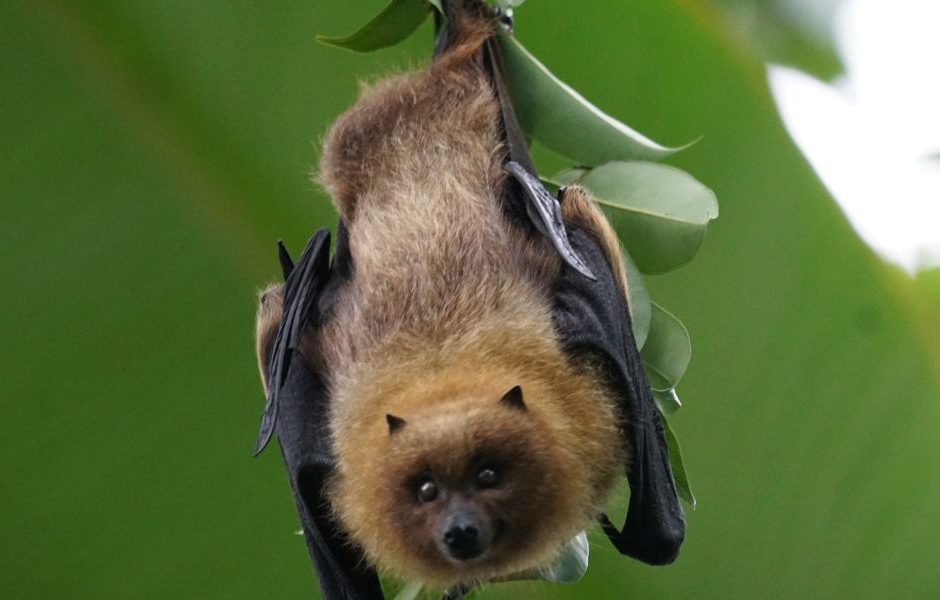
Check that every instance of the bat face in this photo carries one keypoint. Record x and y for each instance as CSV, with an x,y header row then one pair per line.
x,y
468,490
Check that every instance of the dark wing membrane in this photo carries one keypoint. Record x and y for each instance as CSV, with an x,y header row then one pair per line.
x,y
591,317
304,282
303,434
297,409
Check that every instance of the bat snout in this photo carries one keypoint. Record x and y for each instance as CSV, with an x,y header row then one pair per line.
x,y
465,535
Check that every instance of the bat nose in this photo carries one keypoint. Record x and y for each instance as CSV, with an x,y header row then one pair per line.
x,y
463,542
463,538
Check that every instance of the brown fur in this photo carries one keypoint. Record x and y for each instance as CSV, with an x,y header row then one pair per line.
x,y
270,303
579,210
448,307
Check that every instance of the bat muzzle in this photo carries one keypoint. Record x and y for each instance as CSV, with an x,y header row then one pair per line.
x,y
465,534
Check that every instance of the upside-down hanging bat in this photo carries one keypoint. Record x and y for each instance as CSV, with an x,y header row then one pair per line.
x,y
457,392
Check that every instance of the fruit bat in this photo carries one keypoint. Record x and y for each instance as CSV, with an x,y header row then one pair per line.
x,y
456,390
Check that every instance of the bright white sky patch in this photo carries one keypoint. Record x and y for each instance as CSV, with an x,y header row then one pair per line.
x,y
874,135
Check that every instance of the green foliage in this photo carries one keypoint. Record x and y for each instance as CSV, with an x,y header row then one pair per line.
x,y
395,23
641,307
562,120
572,562
660,212
675,456
667,351
791,32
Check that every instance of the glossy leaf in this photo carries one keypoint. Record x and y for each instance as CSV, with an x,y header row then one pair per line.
x,y
667,351
562,120
640,306
790,33
678,465
569,565
395,23
667,401
410,591
660,212
568,176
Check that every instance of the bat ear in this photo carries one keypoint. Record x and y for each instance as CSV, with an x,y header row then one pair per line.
x,y
394,424
513,399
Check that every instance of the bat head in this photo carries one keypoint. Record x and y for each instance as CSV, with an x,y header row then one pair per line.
x,y
464,490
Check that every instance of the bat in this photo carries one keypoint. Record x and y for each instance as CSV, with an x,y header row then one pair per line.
x,y
457,390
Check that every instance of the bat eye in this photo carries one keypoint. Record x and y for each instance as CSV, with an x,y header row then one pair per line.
x,y
487,478
427,490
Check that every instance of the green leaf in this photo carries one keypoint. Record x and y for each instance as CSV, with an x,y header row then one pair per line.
x,y
504,4
678,465
550,185
668,350
437,4
568,176
667,401
563,120
395,23
798,38
660,213
569,565
410,591
640,306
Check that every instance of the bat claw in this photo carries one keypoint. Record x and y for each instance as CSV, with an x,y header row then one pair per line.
x,y
283,256
544,211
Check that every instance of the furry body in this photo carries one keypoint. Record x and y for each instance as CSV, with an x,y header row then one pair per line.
x,y
447,307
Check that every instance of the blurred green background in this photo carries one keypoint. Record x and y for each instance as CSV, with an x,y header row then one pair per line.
x,y
152,153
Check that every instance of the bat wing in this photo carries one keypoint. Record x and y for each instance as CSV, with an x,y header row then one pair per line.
x,y
591,318
297,409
